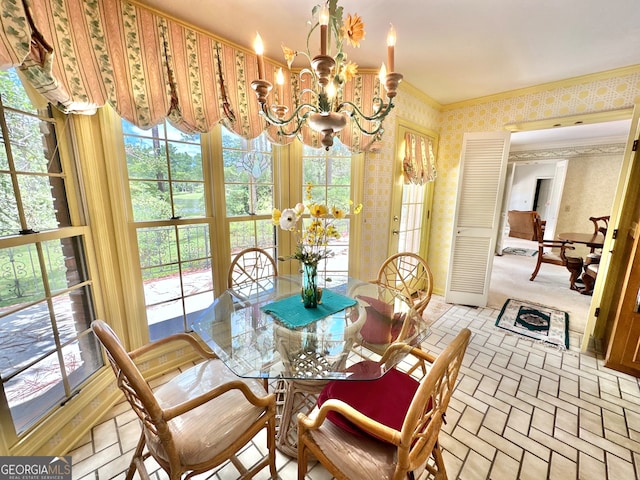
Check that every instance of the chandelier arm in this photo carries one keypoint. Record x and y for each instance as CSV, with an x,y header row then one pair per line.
x,y
350,108
292,133
309,91
377,129
296,115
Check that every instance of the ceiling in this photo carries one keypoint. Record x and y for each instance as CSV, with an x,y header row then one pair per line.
x,y
452,50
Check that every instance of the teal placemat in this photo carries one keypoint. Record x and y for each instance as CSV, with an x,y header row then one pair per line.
x,y
292,313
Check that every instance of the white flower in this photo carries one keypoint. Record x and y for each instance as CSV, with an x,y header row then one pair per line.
x,y
288,219
299,208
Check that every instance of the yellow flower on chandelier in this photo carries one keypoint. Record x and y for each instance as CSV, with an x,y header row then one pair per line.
x,y
353,29
349,71
289,55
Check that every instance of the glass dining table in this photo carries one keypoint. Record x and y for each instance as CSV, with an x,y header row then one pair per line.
x,y
262,330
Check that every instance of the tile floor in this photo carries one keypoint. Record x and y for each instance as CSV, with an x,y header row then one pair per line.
x,y
521,411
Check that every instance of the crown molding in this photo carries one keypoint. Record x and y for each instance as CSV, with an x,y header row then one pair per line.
x,y
571,120
568,82
568,152
419,94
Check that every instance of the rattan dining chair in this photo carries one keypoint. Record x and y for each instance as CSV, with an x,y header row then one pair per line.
x,y
404,288
250,265
356,434
409,274
197,420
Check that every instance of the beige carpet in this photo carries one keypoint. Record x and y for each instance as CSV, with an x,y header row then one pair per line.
x,y
510,279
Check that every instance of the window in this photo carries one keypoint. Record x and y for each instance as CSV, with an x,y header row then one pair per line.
x,y
330,174
412,213
47,349
196,201
173,227
249,191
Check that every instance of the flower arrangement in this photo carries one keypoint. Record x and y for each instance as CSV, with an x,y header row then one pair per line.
x,y
313,239
312,242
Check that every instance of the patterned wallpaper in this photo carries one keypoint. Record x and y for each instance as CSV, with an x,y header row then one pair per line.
x,y
378,179
596,93
589,190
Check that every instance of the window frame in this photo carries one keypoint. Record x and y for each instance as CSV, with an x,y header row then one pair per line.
x,y
77,229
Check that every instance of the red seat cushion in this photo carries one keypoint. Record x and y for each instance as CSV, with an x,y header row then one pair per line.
x,y
376,328
382,325
386,399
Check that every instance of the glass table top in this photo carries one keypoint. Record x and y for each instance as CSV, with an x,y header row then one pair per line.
x,y
256,344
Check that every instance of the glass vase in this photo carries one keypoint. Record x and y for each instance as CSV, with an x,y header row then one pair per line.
x,y
310,292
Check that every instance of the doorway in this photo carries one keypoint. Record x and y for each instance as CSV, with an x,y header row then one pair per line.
x,y
542,196
538,147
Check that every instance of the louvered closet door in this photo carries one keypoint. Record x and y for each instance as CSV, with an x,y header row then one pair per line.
x,y
483,166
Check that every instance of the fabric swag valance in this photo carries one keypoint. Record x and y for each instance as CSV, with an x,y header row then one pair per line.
x,y
83,54
419,165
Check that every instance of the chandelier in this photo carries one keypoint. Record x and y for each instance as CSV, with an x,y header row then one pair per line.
x,y
321,106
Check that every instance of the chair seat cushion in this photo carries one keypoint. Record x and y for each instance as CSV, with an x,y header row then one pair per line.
x,y
385,400
382,326
204,432
551,257
354,455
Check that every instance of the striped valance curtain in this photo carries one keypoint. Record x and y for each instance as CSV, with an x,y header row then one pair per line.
x,y
82,54
419,165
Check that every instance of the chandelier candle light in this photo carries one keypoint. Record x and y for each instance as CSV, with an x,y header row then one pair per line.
x,y
321,106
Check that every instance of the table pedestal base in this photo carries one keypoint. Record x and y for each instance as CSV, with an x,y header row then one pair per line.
x,y
299,396
293,397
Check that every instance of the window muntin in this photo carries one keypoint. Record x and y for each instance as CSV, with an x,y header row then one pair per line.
x,y
177,275
31,179
249,191
165,173
45,322
330,174
412,211
47,350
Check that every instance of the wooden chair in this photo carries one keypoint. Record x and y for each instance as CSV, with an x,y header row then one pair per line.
x,y
544,256
410,275
391,317
356,434
250,265
197,420
589,278
600,224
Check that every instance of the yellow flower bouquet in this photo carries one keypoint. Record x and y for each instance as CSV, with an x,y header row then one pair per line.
x,y
312,239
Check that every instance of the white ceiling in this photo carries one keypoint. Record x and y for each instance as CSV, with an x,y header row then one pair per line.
x,y
452,50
